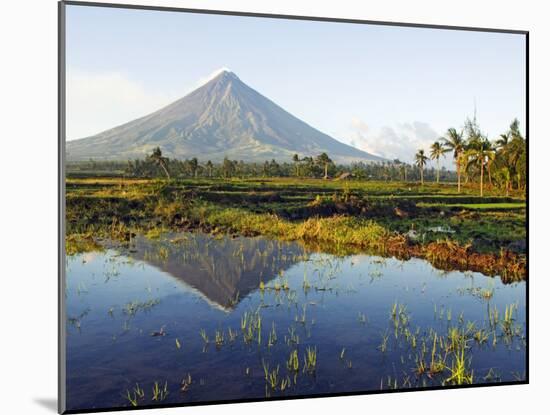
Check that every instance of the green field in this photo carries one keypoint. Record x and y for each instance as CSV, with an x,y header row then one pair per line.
x,y
477,206
404,219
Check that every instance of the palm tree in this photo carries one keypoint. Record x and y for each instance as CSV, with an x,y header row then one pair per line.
x,y
420,159
209,167
296,160
503,159
504,175
194,166
454,142
437,150
514,129
480,152
324,160
309,165
517,152
157,158
503,141
227,167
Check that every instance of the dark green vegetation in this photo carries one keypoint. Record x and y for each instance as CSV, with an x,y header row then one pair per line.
x,y
393,218
309,167
502,162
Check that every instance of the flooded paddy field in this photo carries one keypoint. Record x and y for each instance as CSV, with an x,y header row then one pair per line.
x,y
190,317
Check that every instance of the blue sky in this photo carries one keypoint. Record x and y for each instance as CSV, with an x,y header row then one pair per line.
x,y
388,90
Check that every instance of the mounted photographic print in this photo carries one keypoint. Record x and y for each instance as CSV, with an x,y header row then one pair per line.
x,y
258,207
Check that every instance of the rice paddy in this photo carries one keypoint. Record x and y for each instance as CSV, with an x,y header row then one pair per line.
x,y
191,317
451,230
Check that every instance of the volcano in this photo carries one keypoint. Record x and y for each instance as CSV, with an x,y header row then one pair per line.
x,y
222,118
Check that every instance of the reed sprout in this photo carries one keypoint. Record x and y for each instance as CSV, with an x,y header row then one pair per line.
x,y
219,338
232,334
132,399
508,320
293,363
204,336
384,345
186,383
292,337
285,383
160,393
272,337
310,360
460,373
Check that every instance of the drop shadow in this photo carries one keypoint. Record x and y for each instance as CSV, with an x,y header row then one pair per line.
x,y
48,403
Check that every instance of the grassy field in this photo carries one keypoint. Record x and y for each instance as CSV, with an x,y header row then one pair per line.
x,y
454,231
477,206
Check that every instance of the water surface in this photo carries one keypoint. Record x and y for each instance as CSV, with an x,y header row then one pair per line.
x,y
135,316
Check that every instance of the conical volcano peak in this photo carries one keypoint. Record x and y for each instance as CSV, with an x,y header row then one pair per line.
x,y
229,74
225,75
222,118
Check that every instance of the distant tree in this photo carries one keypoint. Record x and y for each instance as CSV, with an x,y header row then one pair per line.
x,y
296,160
480,152
93,164
454,142
241,168
209,167
503,175
324,160
308,166
130,168
518,153
157,158
194,166
436,151
420,159
503,141
228,168
274,168
502,157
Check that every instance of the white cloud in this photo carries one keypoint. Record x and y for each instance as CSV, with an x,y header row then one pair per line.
x,y
400,141
97,102
359,125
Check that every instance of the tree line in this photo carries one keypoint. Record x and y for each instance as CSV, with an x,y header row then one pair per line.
x,y
156,165
501,163
321,166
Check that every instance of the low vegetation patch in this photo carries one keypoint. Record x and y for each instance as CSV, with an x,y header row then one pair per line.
x,y
342,217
